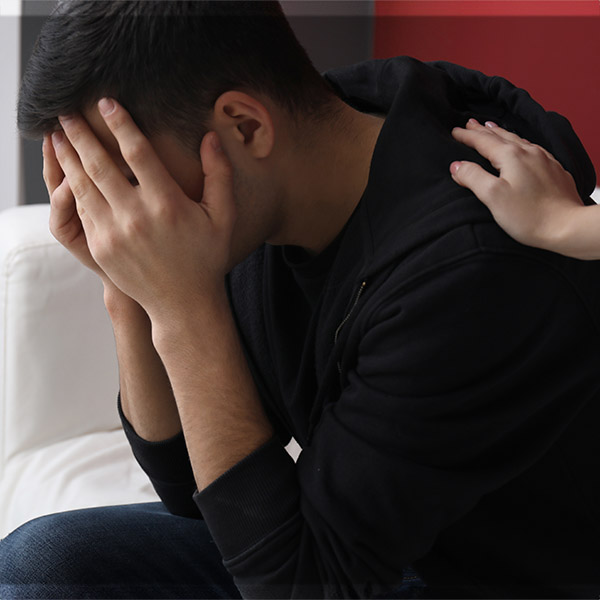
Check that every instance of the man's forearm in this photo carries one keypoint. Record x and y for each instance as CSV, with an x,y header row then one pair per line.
x,y
146,396
221,413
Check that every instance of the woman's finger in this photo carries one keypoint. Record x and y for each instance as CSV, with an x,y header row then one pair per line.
x,y
490,146
484,185
491,127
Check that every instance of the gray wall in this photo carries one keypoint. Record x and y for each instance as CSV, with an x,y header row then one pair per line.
x,y
333,32
33,16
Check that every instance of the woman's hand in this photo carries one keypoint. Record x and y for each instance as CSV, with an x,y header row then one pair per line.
x,y
533,199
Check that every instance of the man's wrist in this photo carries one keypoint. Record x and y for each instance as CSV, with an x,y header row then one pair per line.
x,y
200,312
118,305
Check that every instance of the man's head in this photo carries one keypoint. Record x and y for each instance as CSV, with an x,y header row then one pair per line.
x,y
167,63
182,68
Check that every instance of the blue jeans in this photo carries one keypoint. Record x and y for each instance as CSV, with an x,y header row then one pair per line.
x,y
129,551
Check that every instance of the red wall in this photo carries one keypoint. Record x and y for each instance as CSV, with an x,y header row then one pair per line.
x,y
556,58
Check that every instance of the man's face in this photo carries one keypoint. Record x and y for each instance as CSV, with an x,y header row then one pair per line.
x,y
254,221
185,169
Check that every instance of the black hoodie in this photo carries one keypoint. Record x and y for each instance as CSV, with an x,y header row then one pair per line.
x,y
444,385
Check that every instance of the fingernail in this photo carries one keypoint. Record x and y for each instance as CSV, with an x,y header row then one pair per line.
x,y
57,138
490,124
473,121
214,142
106,106
454,167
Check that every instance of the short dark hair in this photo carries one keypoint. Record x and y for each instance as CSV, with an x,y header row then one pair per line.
x,y
166,62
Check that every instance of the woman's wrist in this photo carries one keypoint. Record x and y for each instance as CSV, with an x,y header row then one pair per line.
x,y
574,232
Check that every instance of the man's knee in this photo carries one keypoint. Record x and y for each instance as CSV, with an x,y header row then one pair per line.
x,y
43,550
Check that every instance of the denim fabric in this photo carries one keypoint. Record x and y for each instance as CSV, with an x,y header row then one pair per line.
x,y
130,551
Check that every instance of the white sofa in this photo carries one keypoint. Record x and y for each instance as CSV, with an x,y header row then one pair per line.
x,y
61,444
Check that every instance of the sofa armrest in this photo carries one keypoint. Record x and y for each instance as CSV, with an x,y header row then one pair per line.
x,y
58,369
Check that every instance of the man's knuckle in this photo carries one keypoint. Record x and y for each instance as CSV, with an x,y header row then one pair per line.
x,y
96,168
79,188
76,134
135,151
56,201
117,120
165,212
53,226
57,227
134,226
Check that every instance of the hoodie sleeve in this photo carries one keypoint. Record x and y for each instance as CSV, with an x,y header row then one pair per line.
x,y
167,465
454,385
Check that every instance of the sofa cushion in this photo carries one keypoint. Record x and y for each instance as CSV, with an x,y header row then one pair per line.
x,y
58,375
91,470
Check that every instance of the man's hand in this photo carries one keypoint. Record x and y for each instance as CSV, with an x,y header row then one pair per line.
x,y
157,245
171,254
533,199
65,224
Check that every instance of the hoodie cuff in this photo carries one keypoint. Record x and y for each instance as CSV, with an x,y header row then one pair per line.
x,y
251,500
166,461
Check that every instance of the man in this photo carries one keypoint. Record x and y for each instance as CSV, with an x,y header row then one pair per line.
x,y
286,255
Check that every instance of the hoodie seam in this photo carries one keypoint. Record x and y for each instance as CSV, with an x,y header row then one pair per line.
x,y
472,255
418,279
547,264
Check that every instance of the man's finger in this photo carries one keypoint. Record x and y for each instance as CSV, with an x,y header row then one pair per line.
x,y
85,192
136,148
217,198
471,175
62,206
96,161
52,173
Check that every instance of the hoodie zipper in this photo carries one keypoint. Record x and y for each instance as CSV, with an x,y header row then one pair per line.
x,y
345,320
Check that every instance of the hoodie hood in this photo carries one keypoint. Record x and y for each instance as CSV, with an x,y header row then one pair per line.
x,y
448,92
410,196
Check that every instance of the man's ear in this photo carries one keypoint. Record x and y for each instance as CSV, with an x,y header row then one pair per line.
x,y
241,118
